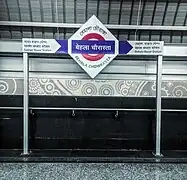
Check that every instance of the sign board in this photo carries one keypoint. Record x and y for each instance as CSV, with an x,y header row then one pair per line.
x,y
146,47
97,48
93,46
61,46
44,45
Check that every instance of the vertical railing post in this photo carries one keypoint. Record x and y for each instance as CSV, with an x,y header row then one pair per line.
x,y
158,105
26,104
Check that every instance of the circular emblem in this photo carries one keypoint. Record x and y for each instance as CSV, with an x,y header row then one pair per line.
x,y
93,57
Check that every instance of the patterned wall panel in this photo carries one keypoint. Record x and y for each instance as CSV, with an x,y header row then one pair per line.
x,y
80,87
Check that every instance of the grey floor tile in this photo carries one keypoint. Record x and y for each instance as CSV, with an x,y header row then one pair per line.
x,y
92,171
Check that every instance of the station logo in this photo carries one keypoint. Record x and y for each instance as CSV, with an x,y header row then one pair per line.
x,y
93,46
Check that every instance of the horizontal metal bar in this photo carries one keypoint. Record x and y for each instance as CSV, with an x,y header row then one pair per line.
x,y
109,26
106,109
5,118
11,108
89,109
90,149
174,110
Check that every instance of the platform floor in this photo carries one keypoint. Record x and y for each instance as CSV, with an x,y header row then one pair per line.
x,y
92,171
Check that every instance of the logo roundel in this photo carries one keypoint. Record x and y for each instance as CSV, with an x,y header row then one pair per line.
x,y
92,57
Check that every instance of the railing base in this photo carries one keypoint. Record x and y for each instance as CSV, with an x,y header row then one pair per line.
x,y
157,155
26,154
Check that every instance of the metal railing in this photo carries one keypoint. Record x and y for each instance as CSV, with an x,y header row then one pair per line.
x,y
92,109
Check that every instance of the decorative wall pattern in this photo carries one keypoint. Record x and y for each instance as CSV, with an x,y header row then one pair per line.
x,y
80,87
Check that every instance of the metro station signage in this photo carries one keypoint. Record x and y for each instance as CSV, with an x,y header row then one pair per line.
x,y
93,46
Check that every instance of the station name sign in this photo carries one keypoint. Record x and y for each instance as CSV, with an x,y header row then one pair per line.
x,y
93,46
100,47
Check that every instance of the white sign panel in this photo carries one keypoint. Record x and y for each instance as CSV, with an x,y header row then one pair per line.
x,y
98,55
39,45
146,47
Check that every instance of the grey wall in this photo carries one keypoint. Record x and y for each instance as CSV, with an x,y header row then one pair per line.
x,y
125,76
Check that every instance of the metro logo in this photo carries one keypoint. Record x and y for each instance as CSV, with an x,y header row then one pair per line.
x,y
96,55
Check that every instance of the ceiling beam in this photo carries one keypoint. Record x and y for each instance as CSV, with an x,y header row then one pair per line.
x,y
109,26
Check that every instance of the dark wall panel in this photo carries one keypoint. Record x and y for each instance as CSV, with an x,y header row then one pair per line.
x,y
11,129
174,131
51,129
174,103
96,129
11,101
100,102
